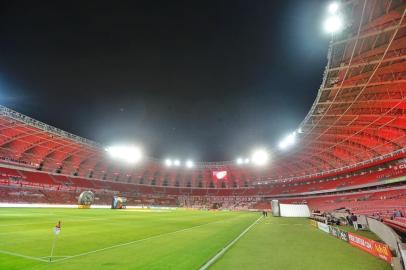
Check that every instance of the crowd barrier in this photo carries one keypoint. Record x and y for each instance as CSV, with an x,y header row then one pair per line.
x,y
313,222
324,227
384,232
375,248
338,233
389,236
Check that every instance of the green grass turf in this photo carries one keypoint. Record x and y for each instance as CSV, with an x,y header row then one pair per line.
x,y
293,244
178,239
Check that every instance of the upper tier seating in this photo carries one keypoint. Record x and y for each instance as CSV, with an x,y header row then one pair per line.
x,y
10,174
38,177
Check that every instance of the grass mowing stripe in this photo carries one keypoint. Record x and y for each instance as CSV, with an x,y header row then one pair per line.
x,y
138,241
224,249
51,222
21,255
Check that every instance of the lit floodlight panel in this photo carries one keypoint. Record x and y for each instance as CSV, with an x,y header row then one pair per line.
x,y
291,139
260,157
288,141
168,162
333,8
189,164
333,24
240,161
176,162
130,154
282,145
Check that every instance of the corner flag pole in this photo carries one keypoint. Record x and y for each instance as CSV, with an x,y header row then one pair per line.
x,y
57,230
53,247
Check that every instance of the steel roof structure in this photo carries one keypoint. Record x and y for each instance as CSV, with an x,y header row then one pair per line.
x,y
358,118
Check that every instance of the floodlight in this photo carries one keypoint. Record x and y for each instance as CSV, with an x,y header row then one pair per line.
x,y
247,160
176,162
240,161
130,154
283,145
333,24
189,164
288,141
260,157
168,162
333,8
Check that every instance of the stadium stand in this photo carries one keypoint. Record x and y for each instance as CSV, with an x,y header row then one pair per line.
x,y
398,223
351,153
389,191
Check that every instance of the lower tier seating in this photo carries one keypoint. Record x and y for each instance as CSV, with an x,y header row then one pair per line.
x,y
18,194
18,185
378,202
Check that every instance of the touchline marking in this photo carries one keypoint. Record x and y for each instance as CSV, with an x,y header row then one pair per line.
x,y
54,257
137,241
224,249
21,255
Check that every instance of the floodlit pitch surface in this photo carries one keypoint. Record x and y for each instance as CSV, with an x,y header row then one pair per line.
x,y
181,239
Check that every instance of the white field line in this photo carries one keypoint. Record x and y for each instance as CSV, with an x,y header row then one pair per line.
x,y
137,241
54,257
21,255
224,249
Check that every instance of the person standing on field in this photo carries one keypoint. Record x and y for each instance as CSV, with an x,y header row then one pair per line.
x,y
354,221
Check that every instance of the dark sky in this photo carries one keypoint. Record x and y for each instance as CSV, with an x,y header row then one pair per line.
x,y
197,79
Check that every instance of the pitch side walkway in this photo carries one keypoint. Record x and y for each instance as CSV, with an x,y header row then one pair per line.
x,y
292,244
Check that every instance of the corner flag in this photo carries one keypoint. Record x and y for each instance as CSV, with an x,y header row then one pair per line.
x,y
57,228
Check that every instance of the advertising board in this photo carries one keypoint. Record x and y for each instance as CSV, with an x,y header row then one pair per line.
x,y
377,249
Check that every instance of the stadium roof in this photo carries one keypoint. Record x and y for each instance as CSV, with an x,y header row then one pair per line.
x,y
358,117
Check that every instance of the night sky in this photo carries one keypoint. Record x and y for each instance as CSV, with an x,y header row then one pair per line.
x,y
201,79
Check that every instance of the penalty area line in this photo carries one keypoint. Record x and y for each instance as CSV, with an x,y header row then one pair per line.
x,y
21,255
224,249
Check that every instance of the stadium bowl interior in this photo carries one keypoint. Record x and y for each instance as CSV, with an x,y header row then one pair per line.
x,y
351,153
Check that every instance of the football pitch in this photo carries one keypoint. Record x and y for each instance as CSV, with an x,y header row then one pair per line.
x,y
169,239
